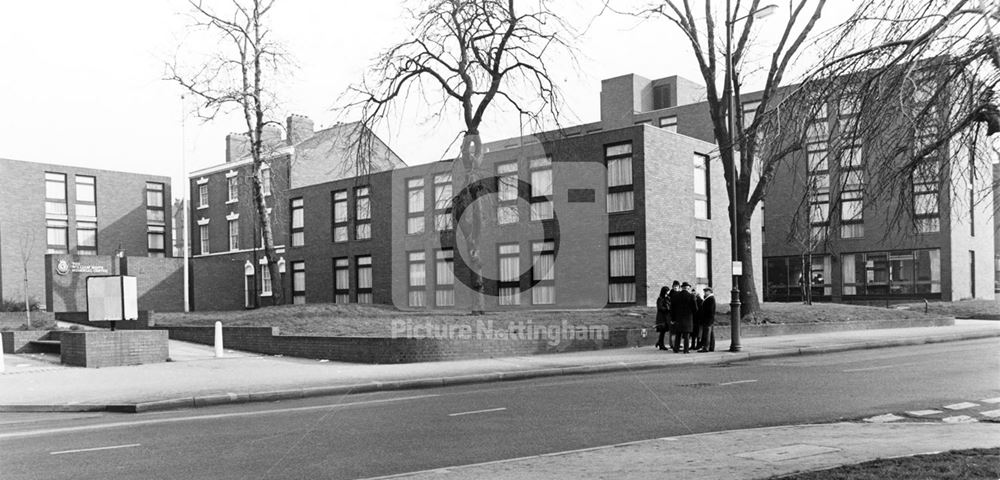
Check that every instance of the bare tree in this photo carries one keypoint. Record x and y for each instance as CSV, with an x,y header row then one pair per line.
x,y
241,76
26,248
469,54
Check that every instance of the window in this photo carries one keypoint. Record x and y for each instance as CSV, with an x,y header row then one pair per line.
x,y
749,113
443,203
233,183
703,261
55,194
417,279
298,282
154,203
543,273
265,180
341,281
852,195
444,291
509,284
818,130
415,206
618,159
340,216
669,123
662,97
362,214
155,241
785,280
203,238
819,191
203,196
507,193
234,234
702,192
905,272
86,238
266,288
57,236
541,188
925,196
621,271
364,266
86,197
298,222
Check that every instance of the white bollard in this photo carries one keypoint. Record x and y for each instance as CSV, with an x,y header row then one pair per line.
x,y
1,354
218,339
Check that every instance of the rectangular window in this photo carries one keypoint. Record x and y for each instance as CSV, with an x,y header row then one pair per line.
x,y
341,281
154,203
618,159
444,277
543,273
362,214
203,239
340,216
507,183
662,97
541,188
234,188
55,194
749,113
669,123
203,196
266,287
298,222
905,272
298,282
57,236
86,238
155,241
621,268
509,284
234,235
86,197
851,201
702,191
414,206
417,279
925,180
443,203
265,180
364,266
703,261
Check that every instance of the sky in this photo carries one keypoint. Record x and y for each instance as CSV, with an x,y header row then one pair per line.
x,y
83,83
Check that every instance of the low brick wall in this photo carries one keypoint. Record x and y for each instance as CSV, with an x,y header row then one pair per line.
x,y
19,341
95,349
142,323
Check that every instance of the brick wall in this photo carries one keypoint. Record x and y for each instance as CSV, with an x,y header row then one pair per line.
x,y
19,341
159,281
96,349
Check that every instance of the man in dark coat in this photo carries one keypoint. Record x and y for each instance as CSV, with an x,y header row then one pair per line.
x,y
707,316
683,309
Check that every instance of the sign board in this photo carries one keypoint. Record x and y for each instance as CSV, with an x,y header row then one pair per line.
x,y
112,298
737,268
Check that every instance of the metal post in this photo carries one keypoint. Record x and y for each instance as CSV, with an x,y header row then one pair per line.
x,y
734,303
186,185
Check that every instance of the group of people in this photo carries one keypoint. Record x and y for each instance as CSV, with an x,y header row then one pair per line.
x,y
681,313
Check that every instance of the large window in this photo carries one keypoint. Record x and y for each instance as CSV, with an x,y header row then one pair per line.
x,y
57,236
784,278
852,193
234,234
154,203
703,261
156,241
362,214
298,282
417,279
818,176
265,179
203,239
702,192
86,197
341,280
618,159
669,123
621,271
541,188
266,287
543,273
925,196
444,288
509,259
507,193
443,203
86,238
906,272
340,216
364,266
234,188
414,206
55,194
203,195
298,222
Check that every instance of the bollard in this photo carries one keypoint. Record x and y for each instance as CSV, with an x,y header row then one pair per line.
x,y
1,354
218,339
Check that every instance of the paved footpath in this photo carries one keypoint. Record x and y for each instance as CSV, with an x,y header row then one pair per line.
x,y
194,378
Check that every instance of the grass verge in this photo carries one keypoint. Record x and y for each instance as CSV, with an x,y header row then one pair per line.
x,y
979,309
979,463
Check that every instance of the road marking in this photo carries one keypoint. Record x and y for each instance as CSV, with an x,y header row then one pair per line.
x,y
883,418
95,449
477,411
736,382
883,367
204,417
961,406
959,419
991,413
923,413
991,400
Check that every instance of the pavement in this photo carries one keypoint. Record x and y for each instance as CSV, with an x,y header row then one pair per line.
x,y
194,378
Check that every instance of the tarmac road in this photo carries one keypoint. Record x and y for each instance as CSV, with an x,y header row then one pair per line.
x,y
404,431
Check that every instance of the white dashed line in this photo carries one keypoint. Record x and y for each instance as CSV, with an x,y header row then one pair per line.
x,y
923,413
95,449
991,413
477,411
959,419
736,382
883,418
991,400
961,406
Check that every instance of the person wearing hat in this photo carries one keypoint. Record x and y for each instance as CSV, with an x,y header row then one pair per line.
x,y
706,315
683,309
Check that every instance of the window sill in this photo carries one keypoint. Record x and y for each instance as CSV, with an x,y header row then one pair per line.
x,y
230,202
201,207
266,294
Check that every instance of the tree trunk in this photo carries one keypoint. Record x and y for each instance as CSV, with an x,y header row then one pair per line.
x,y
260,203
472,161
749,302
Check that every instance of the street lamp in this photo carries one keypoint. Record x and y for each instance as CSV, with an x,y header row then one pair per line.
x,y
734,303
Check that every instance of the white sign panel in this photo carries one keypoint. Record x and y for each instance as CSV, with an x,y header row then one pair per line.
x,y
737,268
112,298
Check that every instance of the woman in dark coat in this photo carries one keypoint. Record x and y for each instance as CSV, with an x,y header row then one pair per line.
x,y
707,329
662,316
683,309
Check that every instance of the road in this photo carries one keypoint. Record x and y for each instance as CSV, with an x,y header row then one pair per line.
x,y
394,432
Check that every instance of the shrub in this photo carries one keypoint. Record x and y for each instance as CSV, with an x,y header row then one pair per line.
x,y
8,305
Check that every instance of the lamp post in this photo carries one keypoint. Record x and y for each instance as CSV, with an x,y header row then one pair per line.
x,y
734,303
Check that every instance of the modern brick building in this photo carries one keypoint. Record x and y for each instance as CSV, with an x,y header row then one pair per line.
x,y
596,215
58,209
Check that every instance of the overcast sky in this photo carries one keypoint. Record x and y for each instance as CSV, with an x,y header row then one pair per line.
x,y
82,82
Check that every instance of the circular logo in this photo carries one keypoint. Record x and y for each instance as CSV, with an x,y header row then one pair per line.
x,y
62,268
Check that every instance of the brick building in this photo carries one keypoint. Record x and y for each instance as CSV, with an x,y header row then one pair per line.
x,y
593,215
58,209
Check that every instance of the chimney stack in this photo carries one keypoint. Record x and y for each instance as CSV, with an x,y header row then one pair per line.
x,y
299,128
237,145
